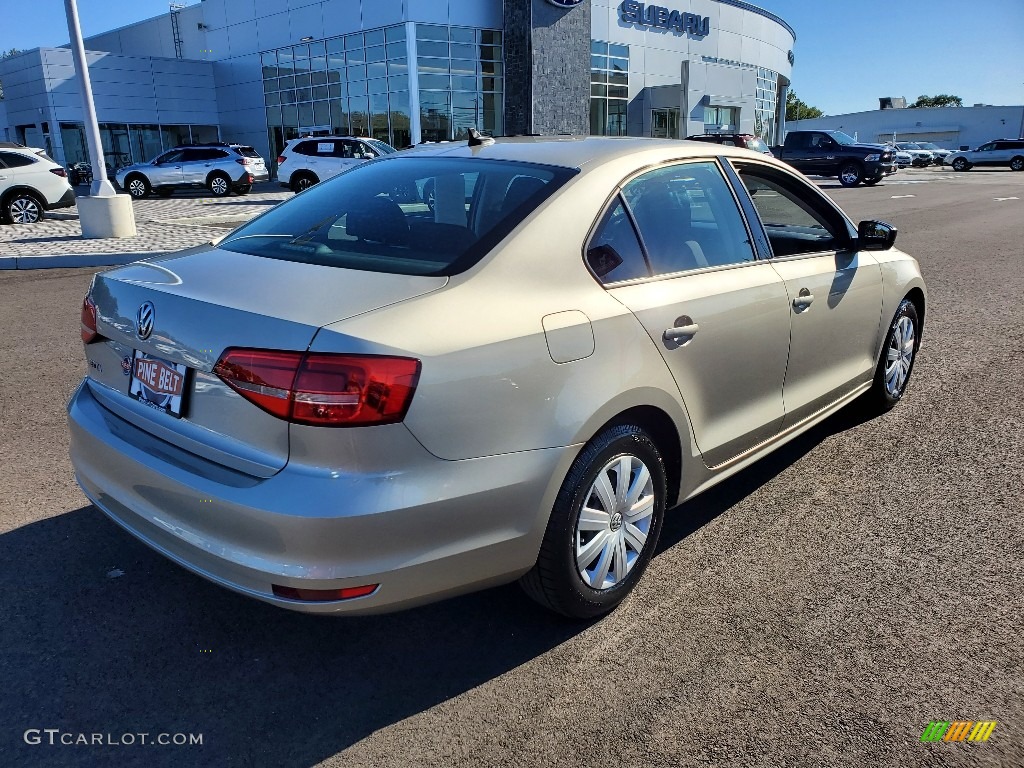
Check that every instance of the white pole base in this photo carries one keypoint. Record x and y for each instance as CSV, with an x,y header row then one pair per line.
x,y
106,216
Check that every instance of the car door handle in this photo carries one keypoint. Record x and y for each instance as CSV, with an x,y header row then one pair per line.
x,y
681,333
804,299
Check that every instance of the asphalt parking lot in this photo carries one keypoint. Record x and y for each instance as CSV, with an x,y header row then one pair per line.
x,y
819,609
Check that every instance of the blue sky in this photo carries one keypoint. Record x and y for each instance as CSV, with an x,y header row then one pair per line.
x,y
847,53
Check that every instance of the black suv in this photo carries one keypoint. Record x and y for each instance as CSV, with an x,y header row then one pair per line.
x,y
747,140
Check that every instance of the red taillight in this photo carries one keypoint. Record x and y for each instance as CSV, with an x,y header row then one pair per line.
x,y
244,160
59,172
89,333
322,389
281,159
320,595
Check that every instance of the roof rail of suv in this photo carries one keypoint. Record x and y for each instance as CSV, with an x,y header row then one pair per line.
x,y
204,144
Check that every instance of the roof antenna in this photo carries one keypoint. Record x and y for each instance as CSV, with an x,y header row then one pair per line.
x,y
476,139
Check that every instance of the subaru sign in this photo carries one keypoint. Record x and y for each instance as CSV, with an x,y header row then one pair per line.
x,y
658,16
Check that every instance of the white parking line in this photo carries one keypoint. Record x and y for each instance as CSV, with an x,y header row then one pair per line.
x,y
897,197
1001,199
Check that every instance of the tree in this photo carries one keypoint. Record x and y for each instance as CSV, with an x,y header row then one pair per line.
x,y
7,55
797,110
942,100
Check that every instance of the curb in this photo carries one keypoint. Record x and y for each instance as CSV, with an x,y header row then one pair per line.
x,y
71,261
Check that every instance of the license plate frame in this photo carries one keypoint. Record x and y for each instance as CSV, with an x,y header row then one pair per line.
x,y
157,386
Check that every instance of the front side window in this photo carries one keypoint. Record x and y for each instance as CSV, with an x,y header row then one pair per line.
x,y
795,221
688,218
406,215
987,147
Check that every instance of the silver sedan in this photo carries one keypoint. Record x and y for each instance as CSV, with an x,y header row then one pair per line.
x,y
364,400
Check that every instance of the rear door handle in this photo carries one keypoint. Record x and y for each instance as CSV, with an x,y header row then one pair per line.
x,y
680,334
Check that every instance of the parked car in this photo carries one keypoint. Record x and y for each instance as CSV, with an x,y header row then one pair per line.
x,y
219,167
308,161
31,184
999,152
903,159
922,158
938,153
734,140
833,153
354,404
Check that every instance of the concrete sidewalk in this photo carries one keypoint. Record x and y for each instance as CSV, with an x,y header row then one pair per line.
x,y
164,225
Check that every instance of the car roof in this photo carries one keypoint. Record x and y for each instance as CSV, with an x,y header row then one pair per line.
x,y
332,137
574,151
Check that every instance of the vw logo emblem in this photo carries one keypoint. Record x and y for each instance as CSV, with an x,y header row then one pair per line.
x,y
565,3
144,320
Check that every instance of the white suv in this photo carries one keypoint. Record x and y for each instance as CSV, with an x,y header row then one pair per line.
x,y
999,152
31,184
305,162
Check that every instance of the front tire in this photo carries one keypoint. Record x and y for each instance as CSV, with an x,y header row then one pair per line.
x,y
137,186
872,182
896,362
604,526
1017,164
850,175
961,165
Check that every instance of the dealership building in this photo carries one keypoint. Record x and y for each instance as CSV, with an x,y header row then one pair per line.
x,y
260,72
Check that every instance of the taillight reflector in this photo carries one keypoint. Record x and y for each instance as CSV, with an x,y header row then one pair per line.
x,y
330,390
59,172
323,595
281,159
244,161
89,333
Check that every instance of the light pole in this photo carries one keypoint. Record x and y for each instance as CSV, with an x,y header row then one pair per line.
x,y
104,213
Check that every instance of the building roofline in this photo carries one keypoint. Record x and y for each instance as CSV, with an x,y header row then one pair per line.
x,y
761,12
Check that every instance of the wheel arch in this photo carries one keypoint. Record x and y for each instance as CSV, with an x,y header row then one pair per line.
x,y
12,191
218,172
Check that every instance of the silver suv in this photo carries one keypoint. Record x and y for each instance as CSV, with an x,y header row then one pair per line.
x,y
221,168
305,162
999,152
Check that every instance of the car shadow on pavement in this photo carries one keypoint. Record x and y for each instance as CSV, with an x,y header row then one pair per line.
x,y
100,635
691,516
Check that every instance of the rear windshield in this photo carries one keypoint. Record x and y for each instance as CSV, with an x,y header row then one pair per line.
x,y
404,215
247,152
757,145
380,146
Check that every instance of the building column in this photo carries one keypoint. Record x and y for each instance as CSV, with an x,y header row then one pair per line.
x,y
415,128
547,68
780,110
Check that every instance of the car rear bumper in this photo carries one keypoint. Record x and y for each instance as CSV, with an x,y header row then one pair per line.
x,y
66,201
427,529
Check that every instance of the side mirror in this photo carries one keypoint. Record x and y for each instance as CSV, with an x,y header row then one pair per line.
x,y
875,236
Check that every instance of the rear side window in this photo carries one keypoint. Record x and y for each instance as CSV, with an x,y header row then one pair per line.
x,y
614,252
688,218
408,215
15,160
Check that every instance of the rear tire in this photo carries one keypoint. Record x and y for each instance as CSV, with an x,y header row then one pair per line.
x,y
850,175
23,208
303,181
1017,164
604,526
896,361
219,185
137,186
961,165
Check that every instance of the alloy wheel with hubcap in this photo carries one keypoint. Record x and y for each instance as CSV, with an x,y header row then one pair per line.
x,y
24,209
850,175
604,526
303,182
960,164
220,186
1017,164
897,359
137,187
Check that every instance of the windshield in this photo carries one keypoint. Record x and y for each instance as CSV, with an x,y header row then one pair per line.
x,y
928,145
909,145
841,137
757,145
380,146
404,215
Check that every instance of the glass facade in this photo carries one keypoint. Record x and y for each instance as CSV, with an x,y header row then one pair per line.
x,y
609,88
361,84
766,105
721,119
127,144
